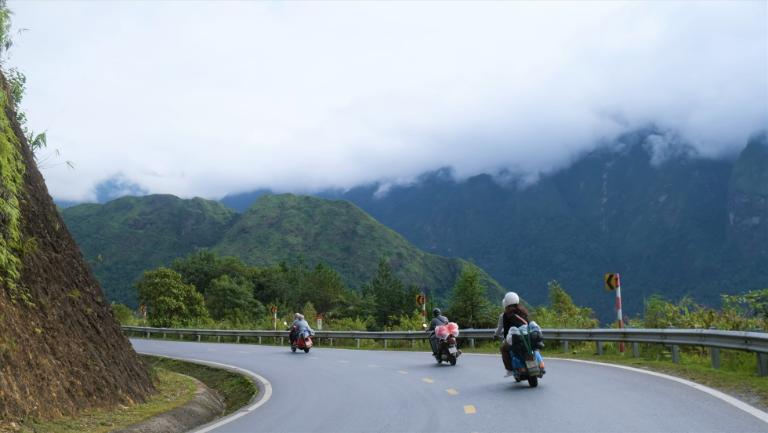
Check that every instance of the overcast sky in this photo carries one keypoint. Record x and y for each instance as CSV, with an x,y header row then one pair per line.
x,y
204,99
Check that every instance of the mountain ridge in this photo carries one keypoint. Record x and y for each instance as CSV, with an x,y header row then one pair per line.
x,y
277,228
647,205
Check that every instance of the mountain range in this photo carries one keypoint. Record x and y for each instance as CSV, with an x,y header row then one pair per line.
x,y
646,205
127,236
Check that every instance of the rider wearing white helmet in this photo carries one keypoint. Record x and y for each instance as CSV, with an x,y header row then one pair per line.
x,y
514,315
298,327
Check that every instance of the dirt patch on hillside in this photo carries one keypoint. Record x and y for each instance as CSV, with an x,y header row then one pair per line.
x,y
61,351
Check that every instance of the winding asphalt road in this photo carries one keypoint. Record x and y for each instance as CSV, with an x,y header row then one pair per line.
x,y
337,390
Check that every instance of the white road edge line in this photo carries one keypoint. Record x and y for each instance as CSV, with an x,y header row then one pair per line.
x,y
262,397
757,413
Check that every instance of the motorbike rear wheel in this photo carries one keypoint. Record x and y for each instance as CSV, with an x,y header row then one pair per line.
x,y
293,348
306,350
533,381
452,360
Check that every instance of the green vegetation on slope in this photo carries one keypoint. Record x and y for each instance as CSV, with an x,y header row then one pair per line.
x,y
678,225
236,389
173,390
11,184
125,237
284,228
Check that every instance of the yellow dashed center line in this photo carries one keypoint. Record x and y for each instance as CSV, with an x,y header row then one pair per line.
x,y
427,380
452,391
469,409
402,371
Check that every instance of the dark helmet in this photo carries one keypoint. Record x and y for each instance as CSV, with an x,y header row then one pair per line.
x,y
436,312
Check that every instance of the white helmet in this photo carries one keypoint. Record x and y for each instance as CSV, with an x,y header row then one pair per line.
x,y
510,298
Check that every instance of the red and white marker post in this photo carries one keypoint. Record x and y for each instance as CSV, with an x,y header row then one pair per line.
x,y
274,315
618,309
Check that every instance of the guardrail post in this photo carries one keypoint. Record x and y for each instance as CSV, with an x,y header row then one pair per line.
x,y
218,338
358,342
281,340
331,341
385,343
565,346
163,335
762,364
259,339
413,344
238,339
147,334
715,354
198,337
675,354
472,343
599,345
636,349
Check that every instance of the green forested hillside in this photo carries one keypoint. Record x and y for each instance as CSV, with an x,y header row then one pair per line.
x,y
125,237
286,228
671,222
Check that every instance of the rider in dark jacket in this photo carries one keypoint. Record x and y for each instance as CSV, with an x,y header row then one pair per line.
x,y
438,320
515,314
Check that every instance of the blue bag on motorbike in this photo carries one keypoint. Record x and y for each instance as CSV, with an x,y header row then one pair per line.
x,y
527,362
537,337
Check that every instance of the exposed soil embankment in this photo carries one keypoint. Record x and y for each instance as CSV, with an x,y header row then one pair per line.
x,y
60,349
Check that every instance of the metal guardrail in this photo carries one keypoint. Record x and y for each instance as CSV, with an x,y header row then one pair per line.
x,y
715,340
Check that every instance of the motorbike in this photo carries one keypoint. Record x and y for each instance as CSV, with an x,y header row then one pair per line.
x,y
447,349
302,341
527,362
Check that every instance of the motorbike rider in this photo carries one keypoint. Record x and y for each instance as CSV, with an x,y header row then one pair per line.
x,y
438,320
515,315
299,327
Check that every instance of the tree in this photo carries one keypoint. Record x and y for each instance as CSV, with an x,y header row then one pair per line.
x,y
468,305
232,299
170,302
202,267
390,298
326,289
122,313
562,312
270,285
751,304
310,314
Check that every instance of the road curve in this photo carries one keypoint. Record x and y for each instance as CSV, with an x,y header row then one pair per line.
x,y
336,390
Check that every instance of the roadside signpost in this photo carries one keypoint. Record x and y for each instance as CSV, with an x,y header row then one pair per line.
x,y
613,283
421,301
274,316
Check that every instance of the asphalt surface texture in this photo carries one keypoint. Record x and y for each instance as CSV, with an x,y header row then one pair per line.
x,y
339,390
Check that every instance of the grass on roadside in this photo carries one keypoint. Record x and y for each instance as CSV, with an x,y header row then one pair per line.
x,y
236,389
174,387
173,390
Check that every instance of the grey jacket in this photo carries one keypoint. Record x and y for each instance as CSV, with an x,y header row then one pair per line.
x,y
500,327
301,326
437,321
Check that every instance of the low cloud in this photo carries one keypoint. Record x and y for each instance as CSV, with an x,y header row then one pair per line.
x,y
204,99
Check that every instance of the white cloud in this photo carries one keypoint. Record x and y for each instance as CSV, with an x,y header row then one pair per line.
x,y
196,98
